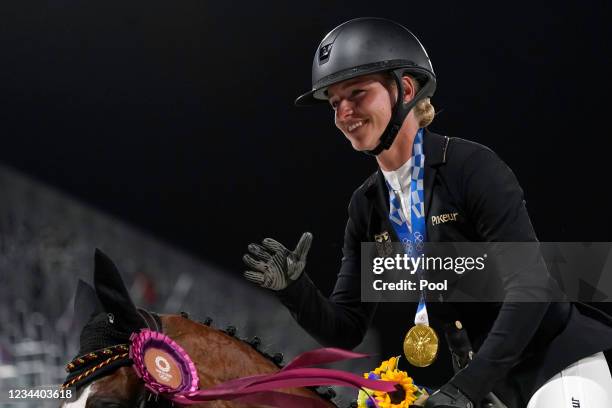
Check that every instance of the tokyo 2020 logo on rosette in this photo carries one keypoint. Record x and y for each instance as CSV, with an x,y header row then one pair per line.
x,y
164,366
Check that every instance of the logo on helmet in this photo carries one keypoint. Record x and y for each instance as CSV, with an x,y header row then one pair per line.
x,y
324,52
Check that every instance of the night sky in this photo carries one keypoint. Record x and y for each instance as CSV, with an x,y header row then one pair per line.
x,y
177,116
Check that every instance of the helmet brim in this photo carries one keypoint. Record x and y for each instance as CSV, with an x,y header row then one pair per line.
x,y
309,98
318,94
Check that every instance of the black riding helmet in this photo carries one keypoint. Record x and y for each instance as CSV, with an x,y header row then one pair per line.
x,y
365,46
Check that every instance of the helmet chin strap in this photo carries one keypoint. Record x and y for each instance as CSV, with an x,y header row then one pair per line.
x,y
398,115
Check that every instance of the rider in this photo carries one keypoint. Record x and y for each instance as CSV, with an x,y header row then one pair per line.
x,y
378,79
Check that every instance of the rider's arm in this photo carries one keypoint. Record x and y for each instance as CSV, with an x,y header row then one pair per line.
x,y
494,203
340,320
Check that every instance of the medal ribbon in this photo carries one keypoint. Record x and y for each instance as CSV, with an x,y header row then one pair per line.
x,y
413,235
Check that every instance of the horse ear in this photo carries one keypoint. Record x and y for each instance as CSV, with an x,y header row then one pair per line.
x,y
86,303
114,296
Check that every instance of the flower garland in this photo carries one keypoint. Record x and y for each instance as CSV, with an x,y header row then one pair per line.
x,y
406,393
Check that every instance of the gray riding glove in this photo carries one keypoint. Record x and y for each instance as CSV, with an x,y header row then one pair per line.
x,y
273,266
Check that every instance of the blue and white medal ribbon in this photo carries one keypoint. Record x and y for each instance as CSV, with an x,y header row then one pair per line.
x,y
421,314
413,236
421,342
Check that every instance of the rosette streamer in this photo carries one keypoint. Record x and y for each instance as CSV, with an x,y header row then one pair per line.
x,y
257,389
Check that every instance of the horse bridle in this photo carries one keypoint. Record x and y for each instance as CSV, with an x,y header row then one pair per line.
x,y
113,357
149,399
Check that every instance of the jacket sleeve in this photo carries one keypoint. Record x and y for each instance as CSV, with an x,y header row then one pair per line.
x,y
340,320
494,203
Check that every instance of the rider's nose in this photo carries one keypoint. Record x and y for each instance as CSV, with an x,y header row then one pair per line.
x,y
344,109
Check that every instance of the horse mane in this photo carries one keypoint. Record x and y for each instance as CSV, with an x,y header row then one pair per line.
x,y
254,343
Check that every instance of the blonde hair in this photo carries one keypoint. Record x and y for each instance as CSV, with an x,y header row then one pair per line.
x,y
424,112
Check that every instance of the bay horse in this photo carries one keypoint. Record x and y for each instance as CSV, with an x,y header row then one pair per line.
x,y
102,374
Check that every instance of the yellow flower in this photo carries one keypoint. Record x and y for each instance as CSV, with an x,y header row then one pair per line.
x,y
387,365
405,393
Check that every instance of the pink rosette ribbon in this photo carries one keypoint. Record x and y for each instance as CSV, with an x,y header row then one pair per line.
x,y
167,369
260,389
164,366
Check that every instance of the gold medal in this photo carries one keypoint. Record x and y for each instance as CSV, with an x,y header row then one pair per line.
x,y
421,345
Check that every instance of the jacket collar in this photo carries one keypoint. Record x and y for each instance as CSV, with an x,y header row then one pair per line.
x,y
434,147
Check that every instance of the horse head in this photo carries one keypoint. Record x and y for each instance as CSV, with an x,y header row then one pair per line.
x,y
108,316
103,374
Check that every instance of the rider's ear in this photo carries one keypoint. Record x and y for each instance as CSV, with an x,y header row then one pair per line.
x,y
86,304
410,88
113,295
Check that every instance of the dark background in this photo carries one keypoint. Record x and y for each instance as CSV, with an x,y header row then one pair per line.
x,y
178,117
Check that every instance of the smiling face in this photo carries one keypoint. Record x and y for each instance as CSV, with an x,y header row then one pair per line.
x,y
362,108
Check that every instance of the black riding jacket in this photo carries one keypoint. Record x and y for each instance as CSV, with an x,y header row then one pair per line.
x,y
522,343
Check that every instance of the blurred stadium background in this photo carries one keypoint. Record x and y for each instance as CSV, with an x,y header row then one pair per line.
x,y
47,243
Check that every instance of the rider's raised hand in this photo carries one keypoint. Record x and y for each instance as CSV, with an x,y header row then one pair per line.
x,y
273,266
